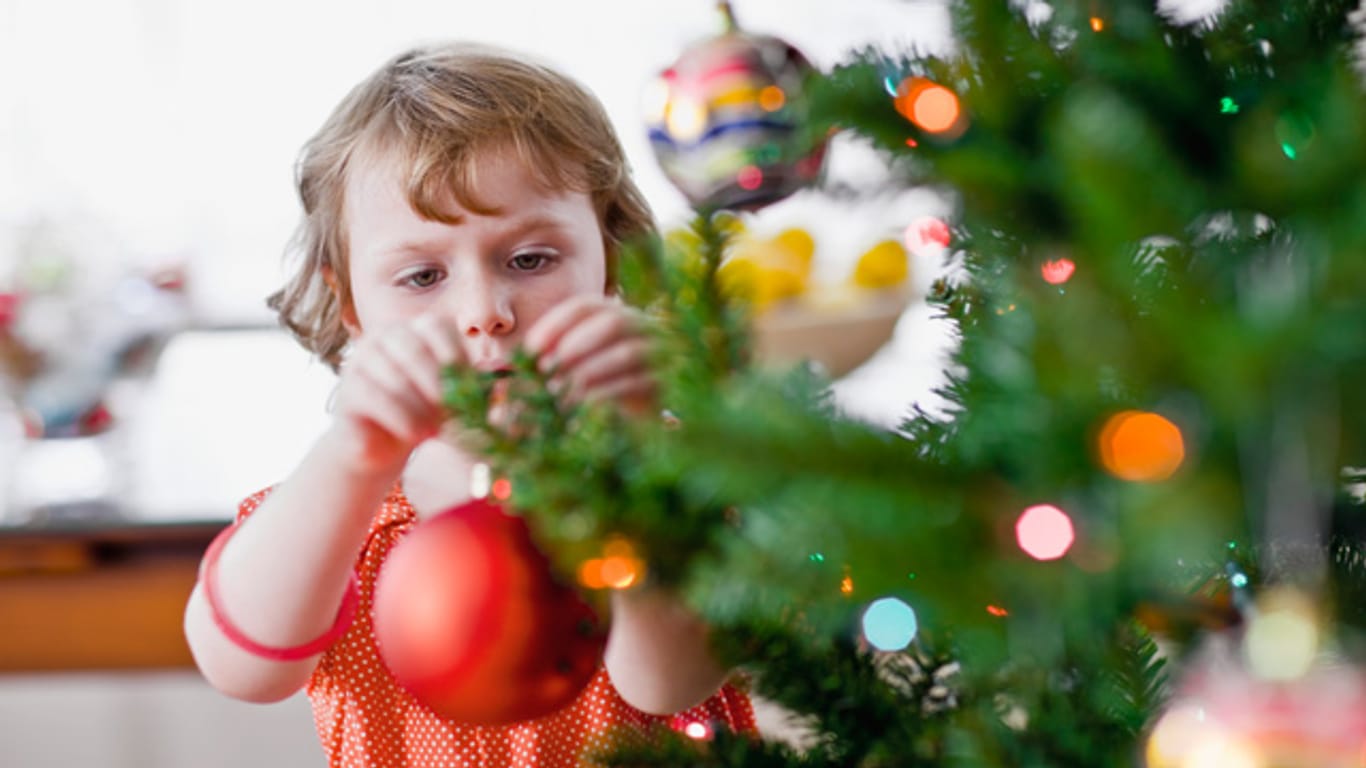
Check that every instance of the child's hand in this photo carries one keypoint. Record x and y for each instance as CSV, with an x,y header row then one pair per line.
x,y
389,397
595,349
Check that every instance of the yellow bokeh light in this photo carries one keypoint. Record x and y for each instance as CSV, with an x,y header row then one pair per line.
x,y
1222,750
1176,736
1185,738
1283,638
686,119
1141,447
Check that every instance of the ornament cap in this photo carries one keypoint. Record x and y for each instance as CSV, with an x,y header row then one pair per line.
x,y
727,14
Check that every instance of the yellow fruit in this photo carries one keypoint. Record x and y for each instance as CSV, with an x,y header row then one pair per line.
x,y
882,266
739,276
799,245
758,283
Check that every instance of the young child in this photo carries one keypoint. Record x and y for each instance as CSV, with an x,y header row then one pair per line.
x,y
459,203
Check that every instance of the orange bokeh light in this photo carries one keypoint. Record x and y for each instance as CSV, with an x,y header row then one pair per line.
x,y
1097,23
618,568
1141,447
928,105
502,489
772,98
620,572
590,574
936,109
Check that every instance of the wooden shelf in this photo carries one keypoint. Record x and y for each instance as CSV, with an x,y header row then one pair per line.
x,y
97,598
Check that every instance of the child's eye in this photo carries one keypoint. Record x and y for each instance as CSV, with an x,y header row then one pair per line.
x,y
530,261
422,278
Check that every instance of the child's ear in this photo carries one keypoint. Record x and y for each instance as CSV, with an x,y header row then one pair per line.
x,y
348,310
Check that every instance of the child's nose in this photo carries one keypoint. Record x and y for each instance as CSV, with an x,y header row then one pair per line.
x,y
486,312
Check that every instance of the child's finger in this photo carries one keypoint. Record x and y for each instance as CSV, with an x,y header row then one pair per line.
x,y
634,393
410,358
387,370
546,334
440,333
622,358
594,332
387,382
367,401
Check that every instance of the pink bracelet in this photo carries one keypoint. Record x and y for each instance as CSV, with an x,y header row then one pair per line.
x,y
208,574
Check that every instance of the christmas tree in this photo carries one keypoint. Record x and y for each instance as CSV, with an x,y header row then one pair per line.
x,y
1145,500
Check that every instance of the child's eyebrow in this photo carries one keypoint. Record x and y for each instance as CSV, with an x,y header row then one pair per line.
x,y
413,247
538,220
393,255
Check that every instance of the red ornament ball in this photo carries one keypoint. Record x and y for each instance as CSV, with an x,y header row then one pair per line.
x,y
471,621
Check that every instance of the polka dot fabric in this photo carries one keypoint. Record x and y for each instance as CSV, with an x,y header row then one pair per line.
x,y
364,718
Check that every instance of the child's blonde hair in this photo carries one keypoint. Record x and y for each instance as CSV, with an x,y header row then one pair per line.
x,y
436,109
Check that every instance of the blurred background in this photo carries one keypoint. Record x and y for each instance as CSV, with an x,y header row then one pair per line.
x,y
146,154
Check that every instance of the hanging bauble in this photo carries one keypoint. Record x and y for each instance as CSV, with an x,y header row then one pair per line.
x,y
727,121
470,620
1268,698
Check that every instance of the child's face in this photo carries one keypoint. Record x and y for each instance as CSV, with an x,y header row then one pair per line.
x,y
495,274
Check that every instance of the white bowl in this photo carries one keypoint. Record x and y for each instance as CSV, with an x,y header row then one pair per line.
x,y
839,331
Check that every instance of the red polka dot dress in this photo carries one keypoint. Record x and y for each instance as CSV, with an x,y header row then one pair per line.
x,y
364,718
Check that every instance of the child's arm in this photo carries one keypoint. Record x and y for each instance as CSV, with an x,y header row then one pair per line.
x,y
657,653
281,576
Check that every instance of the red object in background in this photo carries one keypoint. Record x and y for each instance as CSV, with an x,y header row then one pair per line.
x,y
470,620
95,420
171,278
1057,271
9,309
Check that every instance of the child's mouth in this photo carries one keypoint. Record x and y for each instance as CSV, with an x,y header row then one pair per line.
x,y
498,391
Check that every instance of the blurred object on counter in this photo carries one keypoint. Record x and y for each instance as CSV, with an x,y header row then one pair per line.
x,y
78,323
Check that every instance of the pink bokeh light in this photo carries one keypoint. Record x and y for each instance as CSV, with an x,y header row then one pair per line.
x,y
1057,271
1045,532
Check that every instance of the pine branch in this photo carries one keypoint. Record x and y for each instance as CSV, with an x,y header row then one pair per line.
x,y
864,708
1139,679
667,749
